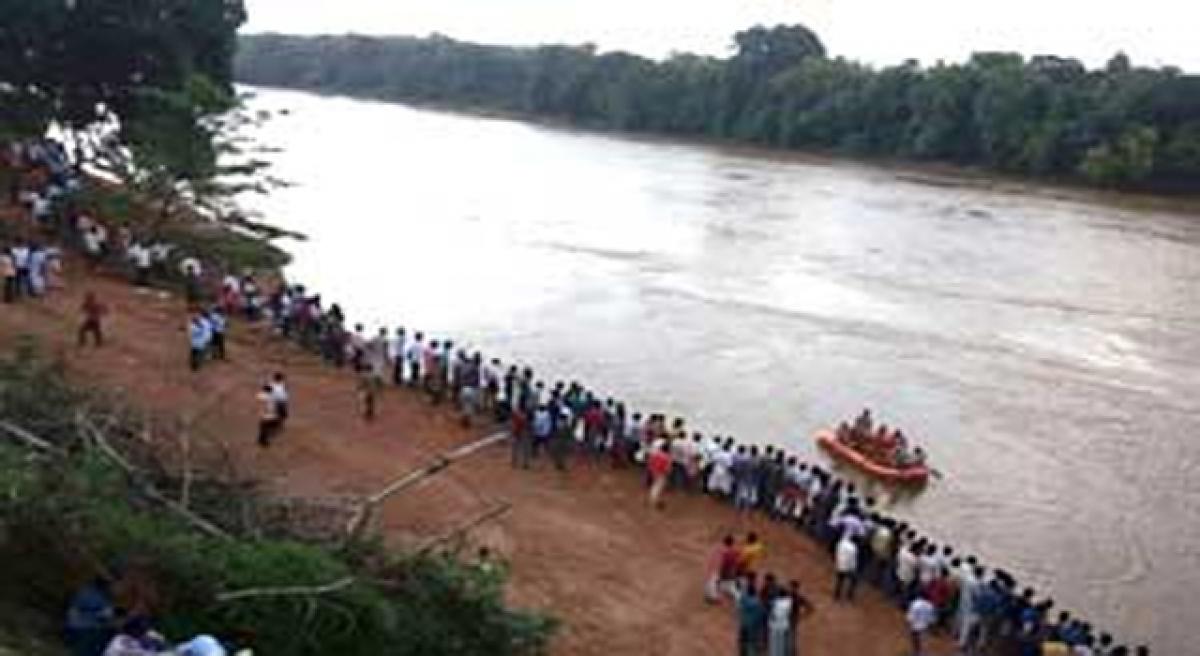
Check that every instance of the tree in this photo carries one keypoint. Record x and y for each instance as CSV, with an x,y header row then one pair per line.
x,y
1129,159
1045,116
765,52
136,75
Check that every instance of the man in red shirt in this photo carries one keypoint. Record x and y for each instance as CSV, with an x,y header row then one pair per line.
x,y
93,312
659,464
522,438
940,592
593,428
723,569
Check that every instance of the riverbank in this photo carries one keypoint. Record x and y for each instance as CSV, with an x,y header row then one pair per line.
x,y
582,545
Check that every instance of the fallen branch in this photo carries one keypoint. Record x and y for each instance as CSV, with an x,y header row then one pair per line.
x,y
27,437
147,488
289,591
185,486
362,518
462,529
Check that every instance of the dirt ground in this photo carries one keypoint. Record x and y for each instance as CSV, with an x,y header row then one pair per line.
x,y
582,545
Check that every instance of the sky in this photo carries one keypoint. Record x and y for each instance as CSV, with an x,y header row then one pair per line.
x,y
1152,32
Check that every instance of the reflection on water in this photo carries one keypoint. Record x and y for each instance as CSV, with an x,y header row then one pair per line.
x,y
1040,345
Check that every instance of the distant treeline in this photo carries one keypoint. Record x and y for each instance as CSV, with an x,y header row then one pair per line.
x,y
1046,116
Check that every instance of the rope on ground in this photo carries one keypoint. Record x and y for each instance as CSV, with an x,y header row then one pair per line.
x,y
289,591
361,520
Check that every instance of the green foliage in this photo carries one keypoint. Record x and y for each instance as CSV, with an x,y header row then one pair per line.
x,y
1130,158
1045,116
142,89
81,62
65,517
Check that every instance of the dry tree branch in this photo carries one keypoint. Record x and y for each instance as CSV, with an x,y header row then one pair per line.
x,y
362,518
289,591
148,489
27,437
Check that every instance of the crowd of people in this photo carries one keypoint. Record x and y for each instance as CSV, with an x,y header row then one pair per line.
x,y
937,587
939,590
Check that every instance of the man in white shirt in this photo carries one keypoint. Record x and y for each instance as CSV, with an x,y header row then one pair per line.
x,y
20,253
141,257
279,394
907,560
415,355
850,525
40,208
921,617
398,355
929,566
968,593
846,557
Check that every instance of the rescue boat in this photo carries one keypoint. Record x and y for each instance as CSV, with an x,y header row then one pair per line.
x,y
914,475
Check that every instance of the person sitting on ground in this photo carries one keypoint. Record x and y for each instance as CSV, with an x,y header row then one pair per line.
x,y
201,645
136,638
89,618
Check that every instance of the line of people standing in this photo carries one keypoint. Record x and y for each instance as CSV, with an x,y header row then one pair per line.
x,y
935,587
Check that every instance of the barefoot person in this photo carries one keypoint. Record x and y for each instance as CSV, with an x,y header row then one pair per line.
x,y
93,313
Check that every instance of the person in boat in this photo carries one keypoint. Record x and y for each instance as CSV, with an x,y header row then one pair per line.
x,y
843,433
863,424
918,457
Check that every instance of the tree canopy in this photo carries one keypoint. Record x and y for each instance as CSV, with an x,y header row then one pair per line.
x,y
138,83
1120,125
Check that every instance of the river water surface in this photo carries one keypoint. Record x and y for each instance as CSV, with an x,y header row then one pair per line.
x,y
1041,345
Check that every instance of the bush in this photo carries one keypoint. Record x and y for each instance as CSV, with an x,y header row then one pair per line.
x,y
66,516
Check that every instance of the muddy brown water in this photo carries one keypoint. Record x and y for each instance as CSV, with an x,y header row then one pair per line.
x,y
1040,343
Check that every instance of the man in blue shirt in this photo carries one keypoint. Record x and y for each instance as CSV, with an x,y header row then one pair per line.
x,y
217,323
199,335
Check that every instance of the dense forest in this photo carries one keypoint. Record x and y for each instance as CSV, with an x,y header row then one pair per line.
x,y
1120,125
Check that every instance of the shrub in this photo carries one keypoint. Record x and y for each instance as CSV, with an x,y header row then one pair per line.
x,y
68,514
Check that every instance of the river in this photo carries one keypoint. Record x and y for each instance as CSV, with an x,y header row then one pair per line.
x,y
1041,344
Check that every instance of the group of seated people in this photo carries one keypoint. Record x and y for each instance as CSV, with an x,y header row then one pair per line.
x,y
882,445
97,624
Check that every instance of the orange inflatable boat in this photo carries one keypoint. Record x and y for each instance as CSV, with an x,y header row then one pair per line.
x,y
916,475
